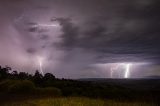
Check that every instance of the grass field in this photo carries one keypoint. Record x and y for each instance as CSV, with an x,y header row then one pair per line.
x,y
75,101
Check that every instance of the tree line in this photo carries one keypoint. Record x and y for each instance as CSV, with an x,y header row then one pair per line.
x,y
7,73
22,83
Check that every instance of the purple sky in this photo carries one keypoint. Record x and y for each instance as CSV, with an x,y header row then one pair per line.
x,y
81,38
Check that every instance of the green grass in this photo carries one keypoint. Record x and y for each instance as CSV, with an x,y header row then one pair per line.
x,y
75,101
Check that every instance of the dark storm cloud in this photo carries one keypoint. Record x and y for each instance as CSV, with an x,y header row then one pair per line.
x,y
136,34
31,50
44,37
69,32
33,29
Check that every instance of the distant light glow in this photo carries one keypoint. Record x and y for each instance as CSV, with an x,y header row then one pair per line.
x,y
111,72
117,67
113,69
40,59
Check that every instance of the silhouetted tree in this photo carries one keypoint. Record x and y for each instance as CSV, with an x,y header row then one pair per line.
x,y
49,76
23,75
13,75
37,78
4,72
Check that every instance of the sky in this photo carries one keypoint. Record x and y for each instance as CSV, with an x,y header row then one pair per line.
x,y
81,38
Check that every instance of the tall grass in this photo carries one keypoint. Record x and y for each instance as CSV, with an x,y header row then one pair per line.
x,y
76,101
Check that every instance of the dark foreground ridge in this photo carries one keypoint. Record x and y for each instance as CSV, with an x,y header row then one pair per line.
x,y
14,85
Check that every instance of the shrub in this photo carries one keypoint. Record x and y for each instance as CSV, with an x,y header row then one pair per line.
x,y
24,86
4,85
49,91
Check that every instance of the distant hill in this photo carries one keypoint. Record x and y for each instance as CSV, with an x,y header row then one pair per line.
x,y
153,77
133,83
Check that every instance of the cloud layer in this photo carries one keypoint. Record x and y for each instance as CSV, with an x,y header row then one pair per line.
x,y
87,33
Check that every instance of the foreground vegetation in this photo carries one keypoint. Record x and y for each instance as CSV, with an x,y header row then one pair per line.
x,y
23,89
77,101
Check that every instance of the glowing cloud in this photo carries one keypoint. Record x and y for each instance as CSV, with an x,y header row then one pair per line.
x,y
117,67
114,69
46,25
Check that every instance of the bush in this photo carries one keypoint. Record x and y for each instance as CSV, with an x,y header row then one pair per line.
x,y
49,91
4,85
24,86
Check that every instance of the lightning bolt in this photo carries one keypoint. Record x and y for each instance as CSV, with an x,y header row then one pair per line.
x,y
40,65
126,75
